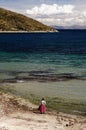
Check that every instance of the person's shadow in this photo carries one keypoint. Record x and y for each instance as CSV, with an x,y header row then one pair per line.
x,y
35,110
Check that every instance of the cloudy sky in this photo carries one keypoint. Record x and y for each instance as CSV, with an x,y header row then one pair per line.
x,y
64,13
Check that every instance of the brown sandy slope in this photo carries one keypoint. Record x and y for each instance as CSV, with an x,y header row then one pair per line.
x,y
18,114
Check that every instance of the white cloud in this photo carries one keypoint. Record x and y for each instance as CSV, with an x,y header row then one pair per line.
x,y
45,9
84,13
60,15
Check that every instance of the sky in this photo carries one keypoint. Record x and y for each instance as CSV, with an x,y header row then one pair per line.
x,y
65,13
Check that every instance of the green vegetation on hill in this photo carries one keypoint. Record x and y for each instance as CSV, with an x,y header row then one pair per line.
x,y
11,21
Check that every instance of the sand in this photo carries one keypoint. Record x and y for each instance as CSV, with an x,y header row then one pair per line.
x,y
18,114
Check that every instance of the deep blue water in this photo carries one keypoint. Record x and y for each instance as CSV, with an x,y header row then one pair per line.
x,y
64,42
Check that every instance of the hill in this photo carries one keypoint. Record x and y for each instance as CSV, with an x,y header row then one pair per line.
x,y
11,21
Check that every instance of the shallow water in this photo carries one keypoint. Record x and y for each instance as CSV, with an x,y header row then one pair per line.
x,y
70,90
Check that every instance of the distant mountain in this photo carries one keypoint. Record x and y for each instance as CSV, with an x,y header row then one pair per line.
x,y
77,27
58,27
69,27
11,21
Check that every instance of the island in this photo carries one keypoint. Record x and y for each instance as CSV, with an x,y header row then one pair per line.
x,y
15,22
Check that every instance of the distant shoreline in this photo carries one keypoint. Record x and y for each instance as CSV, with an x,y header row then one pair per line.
x,y
29,31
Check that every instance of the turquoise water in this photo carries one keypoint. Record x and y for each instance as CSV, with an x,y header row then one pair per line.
x,y
53,63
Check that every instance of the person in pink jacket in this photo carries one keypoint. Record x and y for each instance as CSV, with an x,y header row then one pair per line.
x,y
42,106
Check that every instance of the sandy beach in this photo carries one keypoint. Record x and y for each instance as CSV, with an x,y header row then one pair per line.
x,y
18,114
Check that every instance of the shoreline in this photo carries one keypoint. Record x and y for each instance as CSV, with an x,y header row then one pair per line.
x,y
27,90
29,31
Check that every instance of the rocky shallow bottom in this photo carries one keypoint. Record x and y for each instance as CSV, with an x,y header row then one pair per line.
x,y
40,76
